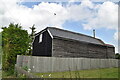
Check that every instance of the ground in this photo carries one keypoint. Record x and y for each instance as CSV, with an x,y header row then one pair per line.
x,y
95,73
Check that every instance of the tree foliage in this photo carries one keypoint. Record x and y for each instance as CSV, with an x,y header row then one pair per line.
x,y
32,35
117,56
32,32
0,47
15,42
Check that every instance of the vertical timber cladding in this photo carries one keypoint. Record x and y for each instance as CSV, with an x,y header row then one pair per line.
x,y
110,52
97,51
71,48
36,46
43,48
48,43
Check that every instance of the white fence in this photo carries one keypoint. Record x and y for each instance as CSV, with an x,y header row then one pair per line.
x,y
54,64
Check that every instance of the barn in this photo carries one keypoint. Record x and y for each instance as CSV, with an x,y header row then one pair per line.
x,y
55,42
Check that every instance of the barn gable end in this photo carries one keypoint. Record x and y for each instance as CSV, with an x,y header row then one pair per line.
x,y
42,47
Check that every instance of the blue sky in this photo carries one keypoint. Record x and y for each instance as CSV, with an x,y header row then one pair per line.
x,y
104,34
31,4
81,17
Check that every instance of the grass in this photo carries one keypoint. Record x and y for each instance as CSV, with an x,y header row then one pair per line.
x,y
95,73
8,74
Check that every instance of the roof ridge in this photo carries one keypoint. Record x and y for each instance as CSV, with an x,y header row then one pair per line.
x,y
71,31
76,33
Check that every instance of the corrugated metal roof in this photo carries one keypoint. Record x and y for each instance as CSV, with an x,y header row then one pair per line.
x,y
75,36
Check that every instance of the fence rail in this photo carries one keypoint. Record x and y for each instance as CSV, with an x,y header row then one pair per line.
x,y
54,64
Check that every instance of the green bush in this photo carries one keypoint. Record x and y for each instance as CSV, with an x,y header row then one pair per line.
x,y
15,41
25,68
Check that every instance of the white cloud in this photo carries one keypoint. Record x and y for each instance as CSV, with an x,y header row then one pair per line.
x,y
116,49
116,35
79,12
67,0
87,3
42,15
106,16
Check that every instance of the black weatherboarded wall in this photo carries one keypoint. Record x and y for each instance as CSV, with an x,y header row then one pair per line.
x,y
43,48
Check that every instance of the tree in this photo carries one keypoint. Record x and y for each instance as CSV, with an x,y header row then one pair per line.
x,y
32,35
117,56
0,48
15,41
32,32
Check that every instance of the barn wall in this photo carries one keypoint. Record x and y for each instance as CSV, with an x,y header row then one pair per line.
x,y
65,48
111,52
54,64
97,51
71,48
48,43
43,48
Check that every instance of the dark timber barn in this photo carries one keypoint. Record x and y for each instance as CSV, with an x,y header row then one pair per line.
x,y
54,42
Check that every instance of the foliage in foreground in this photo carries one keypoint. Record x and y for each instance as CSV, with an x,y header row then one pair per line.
x,y
15,42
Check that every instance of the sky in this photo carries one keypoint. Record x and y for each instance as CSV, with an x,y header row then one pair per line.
x,y
81,16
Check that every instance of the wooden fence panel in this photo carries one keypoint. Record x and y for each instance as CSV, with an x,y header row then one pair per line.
x,y
55,64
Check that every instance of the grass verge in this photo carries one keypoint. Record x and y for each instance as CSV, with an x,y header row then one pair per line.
x,y
95,73
8,74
